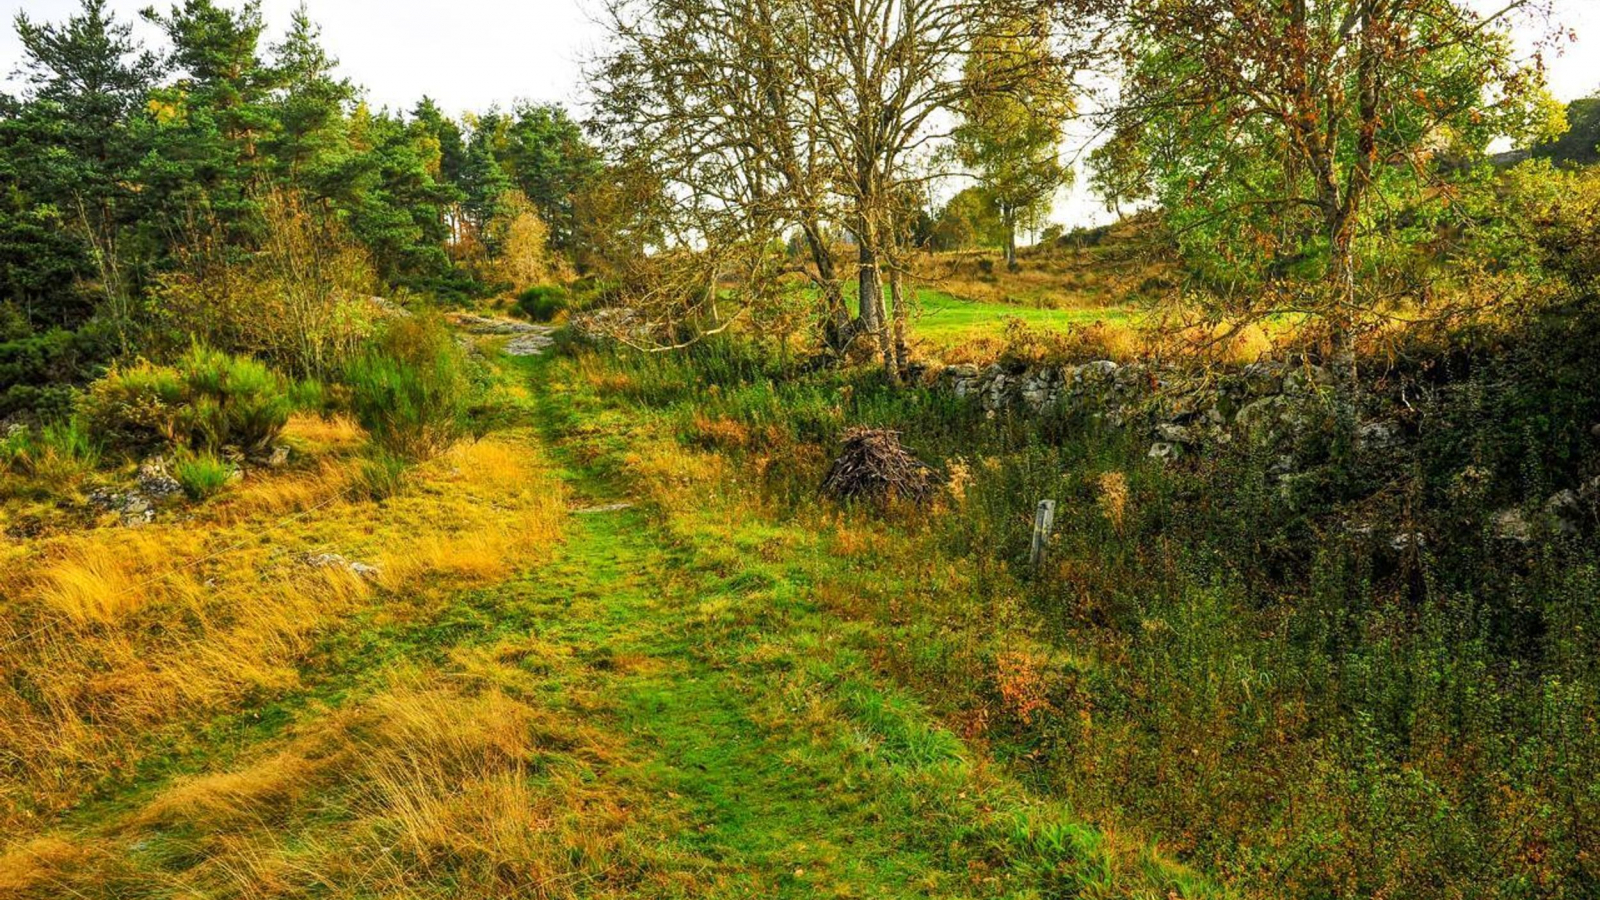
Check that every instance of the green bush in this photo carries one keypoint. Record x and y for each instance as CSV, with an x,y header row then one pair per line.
x,y
411,390
207,401
543,303
38,371
202,475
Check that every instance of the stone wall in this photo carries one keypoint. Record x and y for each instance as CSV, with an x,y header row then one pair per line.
x,y
1264,402
1287,413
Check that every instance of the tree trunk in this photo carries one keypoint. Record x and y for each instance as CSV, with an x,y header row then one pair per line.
x,y
870,293
836,331
873,318
1010,221
902,353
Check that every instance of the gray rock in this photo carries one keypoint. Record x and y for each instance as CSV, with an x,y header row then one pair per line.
x,y
337,561
1100,369
1176,434
1259,419
531,344
473,324
1379,434
1512,526
1165,451
1565,510
155,481
1408,541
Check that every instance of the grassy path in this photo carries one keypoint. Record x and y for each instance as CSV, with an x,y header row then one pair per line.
x,y
656,707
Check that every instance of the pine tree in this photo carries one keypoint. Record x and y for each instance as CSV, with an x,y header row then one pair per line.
x,y
548,159
484,183
309,139
217,118
67,150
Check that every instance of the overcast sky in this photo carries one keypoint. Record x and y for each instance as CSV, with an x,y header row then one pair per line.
x,y
471,54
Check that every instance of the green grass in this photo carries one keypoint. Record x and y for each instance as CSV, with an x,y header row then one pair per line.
x,y
948,321
710,727
203,475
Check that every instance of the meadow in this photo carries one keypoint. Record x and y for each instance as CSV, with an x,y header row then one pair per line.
x,y
718,490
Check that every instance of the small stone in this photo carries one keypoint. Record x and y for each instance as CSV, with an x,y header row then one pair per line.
x,y
337,561
1176,434
1377,435
1165,451
1408,541
155,481
1511,525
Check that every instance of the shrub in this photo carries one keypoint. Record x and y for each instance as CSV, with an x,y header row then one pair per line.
x,y
202,475
208,401
411,389
300,297
543,303
38,370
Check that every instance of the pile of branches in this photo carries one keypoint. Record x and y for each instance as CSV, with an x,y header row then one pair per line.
x,y
875,465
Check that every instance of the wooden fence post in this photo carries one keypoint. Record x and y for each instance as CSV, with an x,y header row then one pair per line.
x,y
1043,522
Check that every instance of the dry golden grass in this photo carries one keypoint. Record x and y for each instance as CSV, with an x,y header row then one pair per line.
x,y
39,867
323,433
285,494
114,631
1129,262
97,581
1113,499
415,790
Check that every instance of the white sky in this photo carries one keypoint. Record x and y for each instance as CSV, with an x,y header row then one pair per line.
x,y
471,54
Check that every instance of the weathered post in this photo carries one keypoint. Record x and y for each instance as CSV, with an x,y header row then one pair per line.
x,y
1043,522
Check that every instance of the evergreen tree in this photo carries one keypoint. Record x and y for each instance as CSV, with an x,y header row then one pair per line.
x,y
484,183
216,120
430,121
309,106
66,153
548,159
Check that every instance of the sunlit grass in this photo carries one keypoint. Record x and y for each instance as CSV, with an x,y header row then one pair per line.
x,y
116,631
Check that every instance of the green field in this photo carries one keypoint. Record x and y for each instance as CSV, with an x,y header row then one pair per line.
x,y
946,321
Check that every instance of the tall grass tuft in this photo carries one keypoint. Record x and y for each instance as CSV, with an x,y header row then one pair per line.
x,y
57,452
203,475
411,389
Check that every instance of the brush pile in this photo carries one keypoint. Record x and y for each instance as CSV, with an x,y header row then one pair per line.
x,y
875,465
